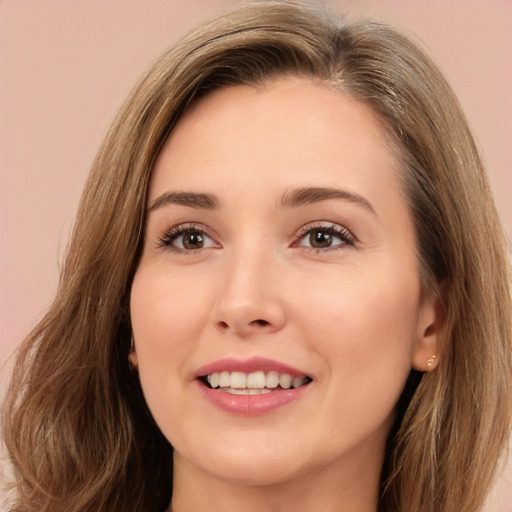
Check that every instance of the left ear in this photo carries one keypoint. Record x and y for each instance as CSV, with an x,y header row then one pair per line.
x,y
133,360
430,336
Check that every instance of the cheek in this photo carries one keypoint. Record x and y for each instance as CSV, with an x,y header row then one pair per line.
x,y
356,303
367,340
366,327
165,311
167,317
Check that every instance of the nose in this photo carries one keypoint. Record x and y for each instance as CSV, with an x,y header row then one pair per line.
x,y
249,300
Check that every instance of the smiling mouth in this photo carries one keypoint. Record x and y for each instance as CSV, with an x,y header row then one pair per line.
x,y
255,383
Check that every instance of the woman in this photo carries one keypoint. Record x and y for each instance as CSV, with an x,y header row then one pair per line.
x,y
287,288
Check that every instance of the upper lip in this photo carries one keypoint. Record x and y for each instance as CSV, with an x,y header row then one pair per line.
x,y
253,364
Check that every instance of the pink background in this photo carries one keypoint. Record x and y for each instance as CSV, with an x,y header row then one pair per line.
x,y
65,68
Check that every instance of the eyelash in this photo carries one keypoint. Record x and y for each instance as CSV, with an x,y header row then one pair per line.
x,y
346,237
173,233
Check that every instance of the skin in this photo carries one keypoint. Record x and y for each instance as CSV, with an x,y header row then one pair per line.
x,y
351,315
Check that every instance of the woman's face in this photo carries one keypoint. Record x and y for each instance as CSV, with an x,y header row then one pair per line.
x,y
279,251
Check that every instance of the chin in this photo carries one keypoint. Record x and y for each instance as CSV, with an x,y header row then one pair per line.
x,y
241,465
265,473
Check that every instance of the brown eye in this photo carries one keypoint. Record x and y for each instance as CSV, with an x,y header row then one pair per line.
x,y
326,237
320,239
186,239
192,240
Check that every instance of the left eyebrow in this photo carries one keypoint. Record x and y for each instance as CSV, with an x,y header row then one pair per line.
x,y
303,196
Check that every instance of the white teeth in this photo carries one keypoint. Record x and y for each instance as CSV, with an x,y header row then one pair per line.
x,y
214,381
298,382
238,380
253,383
225,379
255,391
285,381
246,391
256,380
272,380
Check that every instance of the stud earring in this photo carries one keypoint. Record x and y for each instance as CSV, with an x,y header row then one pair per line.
x,y
431,361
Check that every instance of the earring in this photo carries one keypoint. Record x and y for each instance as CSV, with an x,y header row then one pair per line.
x,y
133,366
431,361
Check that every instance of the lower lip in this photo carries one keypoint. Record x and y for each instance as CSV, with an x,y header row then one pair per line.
x,y
252,405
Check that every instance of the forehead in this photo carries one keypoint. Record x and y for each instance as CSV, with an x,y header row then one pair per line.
x,y
289,130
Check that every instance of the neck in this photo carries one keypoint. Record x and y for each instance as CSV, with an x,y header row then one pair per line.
x,y
330,488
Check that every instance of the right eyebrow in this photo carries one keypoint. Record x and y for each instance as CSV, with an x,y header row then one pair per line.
x,y
190,199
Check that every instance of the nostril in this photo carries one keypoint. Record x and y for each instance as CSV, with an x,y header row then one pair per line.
x,y
242,327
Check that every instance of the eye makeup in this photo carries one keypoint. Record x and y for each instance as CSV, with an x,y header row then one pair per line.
x,y
322,236
186,238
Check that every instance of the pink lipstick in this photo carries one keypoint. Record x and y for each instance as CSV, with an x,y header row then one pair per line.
x,y
251,387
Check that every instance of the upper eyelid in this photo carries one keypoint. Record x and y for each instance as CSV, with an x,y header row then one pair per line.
x,y
181,228
327,225
174,231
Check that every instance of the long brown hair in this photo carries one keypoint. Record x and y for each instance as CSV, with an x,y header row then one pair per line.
x,y
75,423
